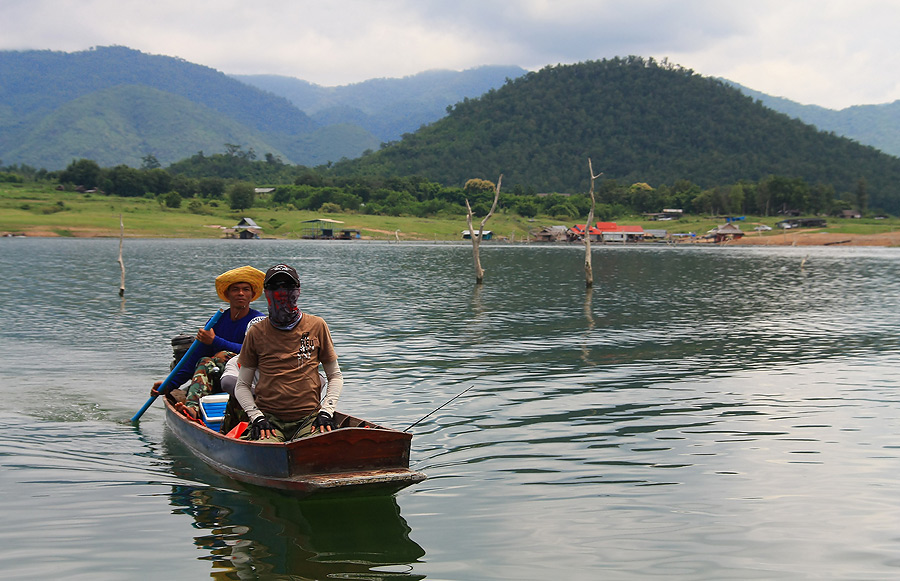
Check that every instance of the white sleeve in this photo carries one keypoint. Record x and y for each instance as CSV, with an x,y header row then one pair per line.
x,y
335,386
229,376
243,393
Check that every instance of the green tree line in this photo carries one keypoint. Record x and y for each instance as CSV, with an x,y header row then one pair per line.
x,y
229,177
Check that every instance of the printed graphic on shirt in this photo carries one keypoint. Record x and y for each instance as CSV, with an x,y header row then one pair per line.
x,y
307,347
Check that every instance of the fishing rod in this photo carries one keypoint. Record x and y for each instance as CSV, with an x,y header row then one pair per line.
x,y
439,407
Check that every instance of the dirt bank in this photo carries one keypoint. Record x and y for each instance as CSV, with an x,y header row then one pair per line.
x,y
787,238
819,238
68,232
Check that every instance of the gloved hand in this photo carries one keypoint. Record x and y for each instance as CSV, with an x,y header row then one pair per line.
x,y
323,422
260,427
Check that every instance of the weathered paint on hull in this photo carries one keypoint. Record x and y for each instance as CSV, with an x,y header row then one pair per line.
x,y
370,460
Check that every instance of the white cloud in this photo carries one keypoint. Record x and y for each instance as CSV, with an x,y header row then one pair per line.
x,y
828,53
835,53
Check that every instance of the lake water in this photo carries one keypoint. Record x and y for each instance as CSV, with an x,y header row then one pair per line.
x,y
703,413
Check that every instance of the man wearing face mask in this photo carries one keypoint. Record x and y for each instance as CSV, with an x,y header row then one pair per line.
x,y
286,349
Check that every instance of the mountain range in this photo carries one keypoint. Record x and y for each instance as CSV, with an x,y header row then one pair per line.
x,y
116,105
386,108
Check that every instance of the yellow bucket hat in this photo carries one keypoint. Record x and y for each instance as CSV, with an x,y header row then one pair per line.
x,y
247,274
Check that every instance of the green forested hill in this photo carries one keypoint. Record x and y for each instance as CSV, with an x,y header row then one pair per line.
x,y
128,122
57,106
42,88
41,81
639,121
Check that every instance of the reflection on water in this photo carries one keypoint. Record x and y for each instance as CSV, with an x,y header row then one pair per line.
x,y
249,532
700,413
589,317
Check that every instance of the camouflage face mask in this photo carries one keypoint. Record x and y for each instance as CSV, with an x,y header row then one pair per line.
x,y
284,313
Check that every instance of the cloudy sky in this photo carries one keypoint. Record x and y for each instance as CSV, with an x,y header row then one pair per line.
x,y
833,53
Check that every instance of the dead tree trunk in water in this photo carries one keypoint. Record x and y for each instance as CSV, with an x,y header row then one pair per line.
x,y
476,239
588,269
121,262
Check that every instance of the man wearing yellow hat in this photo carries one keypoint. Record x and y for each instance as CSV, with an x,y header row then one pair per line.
x,y
238,287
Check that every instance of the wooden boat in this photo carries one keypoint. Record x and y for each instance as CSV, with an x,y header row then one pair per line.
x,y
357,457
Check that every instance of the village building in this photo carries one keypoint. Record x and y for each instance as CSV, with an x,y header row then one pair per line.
x,y
802,223
485,235
612,232
667,214
576,233
729,231
320,229
607,232
348,234
246,229
656,234
552,234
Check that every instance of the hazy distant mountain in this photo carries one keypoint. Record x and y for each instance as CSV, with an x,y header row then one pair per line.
x,y
387,108
122,124
875,125
116,105
639,121
57,106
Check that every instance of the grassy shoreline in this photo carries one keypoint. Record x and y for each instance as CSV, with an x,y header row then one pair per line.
x,y
33,210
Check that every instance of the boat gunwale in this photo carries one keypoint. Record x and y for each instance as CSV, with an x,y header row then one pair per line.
x,y
388,478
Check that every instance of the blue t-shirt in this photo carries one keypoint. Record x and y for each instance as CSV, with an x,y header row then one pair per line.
x,y
229,337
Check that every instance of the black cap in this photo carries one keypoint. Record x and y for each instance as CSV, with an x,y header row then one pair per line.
x,y
281,271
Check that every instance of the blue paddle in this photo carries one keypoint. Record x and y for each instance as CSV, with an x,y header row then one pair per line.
x,y
164,387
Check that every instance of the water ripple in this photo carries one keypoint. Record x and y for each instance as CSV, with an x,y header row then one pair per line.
x,y
702,413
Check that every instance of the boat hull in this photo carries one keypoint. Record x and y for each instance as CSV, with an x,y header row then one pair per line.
x,y
357,458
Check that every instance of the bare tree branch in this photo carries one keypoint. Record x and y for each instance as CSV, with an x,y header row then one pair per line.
x,y
588,268
121,262
476,239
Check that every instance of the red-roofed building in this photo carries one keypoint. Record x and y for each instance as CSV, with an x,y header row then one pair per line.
x,y
577,231
612,232
636,232
608,232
